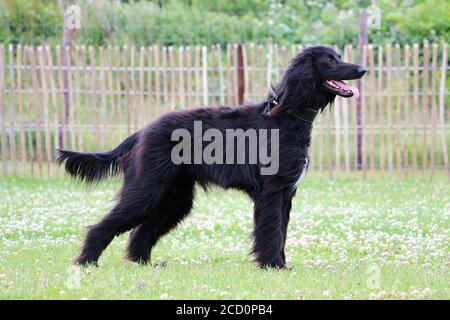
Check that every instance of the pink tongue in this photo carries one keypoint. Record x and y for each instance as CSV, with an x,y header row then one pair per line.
x,y
345,86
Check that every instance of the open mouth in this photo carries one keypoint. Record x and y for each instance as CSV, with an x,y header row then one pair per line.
x,y
340,88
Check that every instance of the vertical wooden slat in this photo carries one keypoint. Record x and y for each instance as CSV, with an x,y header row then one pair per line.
x,y
337,134
337,130
319,130
221,75
442,105
94,107
240,74
372,107
181,89
389,107
205,75
433,109
363,117
77,98
133,98
212,75
63,130
426,64
85,88
29,99
156,52
126,104
261,64
189,88
229,86
45,103
150,103
68,96
37,99
235,75
357,165
165,92
3,139
277,61
112,63
415,105
120,76
380,103
23,151
269,68
54,96
12,110
142,111
103,128
172,79
245,73
328,143
251,73
345,115
406,114
197,82
398,109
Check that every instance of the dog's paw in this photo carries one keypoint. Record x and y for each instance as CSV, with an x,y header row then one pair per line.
x,y
85,262
139,260
277,265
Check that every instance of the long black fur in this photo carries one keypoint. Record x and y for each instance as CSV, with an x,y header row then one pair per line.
x,y
94,167
157,194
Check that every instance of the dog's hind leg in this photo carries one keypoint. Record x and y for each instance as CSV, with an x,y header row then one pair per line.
x,y
174,206
132,209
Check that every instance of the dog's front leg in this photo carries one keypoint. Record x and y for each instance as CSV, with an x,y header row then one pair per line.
x,y
287,205
268,230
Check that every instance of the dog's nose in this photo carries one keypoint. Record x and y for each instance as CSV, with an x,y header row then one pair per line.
x,y
361,71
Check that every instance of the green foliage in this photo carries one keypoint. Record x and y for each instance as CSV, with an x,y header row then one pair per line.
x,y
223,21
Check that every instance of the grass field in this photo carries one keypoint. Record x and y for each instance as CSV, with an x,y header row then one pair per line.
x,y
349,239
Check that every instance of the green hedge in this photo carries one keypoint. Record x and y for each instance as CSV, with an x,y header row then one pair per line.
x,y
222,21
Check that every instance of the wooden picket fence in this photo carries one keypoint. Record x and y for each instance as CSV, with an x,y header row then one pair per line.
x,y
90,99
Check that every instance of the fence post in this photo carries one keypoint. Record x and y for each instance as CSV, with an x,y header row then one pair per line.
x,y
433,108
362,41
442,107
20,106
426,57
45,104
240,75
205,75
399,110
2,111
12,110
415,105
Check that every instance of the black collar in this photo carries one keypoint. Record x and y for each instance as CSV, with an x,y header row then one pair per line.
x,y
307,115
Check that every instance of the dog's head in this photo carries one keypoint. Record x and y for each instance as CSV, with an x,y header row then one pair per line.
x,y
314,78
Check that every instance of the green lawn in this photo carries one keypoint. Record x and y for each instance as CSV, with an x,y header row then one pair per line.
x,y
348,238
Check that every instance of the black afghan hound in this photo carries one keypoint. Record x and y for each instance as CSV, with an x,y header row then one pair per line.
x,y
157,193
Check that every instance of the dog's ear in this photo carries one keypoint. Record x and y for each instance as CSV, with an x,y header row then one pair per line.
x,y
296,83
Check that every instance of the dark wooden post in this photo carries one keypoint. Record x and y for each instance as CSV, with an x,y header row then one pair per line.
x,y
362,40
67,43
240,75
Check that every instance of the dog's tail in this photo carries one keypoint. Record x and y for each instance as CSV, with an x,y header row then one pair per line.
x,y
94,167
